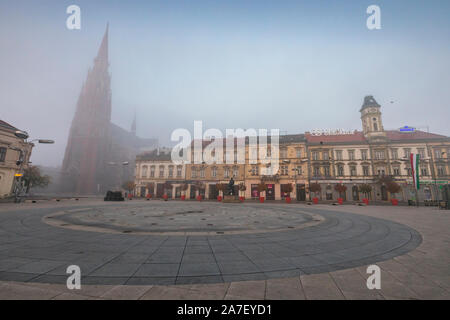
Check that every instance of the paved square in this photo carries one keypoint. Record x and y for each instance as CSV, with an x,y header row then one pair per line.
x,y
322,250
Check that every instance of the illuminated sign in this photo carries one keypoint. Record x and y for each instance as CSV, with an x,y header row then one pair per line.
x,y
331,132
18,175
407,129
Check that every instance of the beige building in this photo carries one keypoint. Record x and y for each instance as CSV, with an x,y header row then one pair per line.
x,y
12,150
153,170
327,158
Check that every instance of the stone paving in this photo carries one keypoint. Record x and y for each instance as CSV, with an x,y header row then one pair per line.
x,y
324,261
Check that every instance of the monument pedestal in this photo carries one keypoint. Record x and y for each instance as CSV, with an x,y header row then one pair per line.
x,y
230,199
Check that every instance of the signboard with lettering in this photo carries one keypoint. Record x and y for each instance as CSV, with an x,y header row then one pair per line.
x,y
331,132
407,129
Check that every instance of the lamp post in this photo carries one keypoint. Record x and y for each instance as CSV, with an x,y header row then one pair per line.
x,y
23,154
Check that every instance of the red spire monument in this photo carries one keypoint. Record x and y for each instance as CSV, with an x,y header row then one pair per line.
x,y
96,148
84,162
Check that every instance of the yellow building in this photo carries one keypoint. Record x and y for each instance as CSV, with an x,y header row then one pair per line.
x,y
324,157
12,150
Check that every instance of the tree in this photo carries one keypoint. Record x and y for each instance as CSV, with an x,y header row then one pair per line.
x,y
167,186
287,188
242,188
129,186
384,180
365,189
315,188
262,187
32,177
393,187
341,189
220,187
150,187
183,188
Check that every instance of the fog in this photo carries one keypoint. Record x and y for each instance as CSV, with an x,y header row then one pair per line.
x,y
294,65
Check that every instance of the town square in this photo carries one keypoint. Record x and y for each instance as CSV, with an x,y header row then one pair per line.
x,y
241,154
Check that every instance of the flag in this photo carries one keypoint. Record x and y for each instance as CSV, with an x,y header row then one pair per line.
x,y
414,159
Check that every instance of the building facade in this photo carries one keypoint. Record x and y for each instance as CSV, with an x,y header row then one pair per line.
x,y
351,159
14,157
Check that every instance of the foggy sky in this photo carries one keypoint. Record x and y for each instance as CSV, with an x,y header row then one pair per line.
x,y
291,65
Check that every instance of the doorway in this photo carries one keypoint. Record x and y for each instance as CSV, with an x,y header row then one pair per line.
x,y
301,192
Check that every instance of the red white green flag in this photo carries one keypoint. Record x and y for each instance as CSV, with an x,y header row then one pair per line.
x,y
415,158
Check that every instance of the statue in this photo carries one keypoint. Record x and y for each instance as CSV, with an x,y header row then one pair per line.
x,y
231,187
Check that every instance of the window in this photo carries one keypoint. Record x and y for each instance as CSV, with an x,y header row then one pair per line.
x,y
396,171
283,153
170,171
298,152
254,170
144,172
437,153
152,171
235,171
381,171
2,154
441,171
326,171
351,154
202,172
408,171
284,170
298,170
325,155
316,171
394,153
379,154
353,170
161,171
424,171
254,154
194,172
226,172
338,154
179,171
315,155
364,154
340,170
407,152
365,171
421,153
214,172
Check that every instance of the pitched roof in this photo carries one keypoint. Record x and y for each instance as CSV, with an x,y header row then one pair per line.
x,y
155,155
394,135
6,125
357,136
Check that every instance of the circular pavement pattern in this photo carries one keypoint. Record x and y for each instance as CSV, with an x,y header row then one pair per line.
x,y
160,242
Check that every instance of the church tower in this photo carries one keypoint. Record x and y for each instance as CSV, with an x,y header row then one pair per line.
x,y
371,119
85,159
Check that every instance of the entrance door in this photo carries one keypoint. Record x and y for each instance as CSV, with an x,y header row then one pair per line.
x,y
213,192
301,192
159,190
193,192
270,193
384,196
355,193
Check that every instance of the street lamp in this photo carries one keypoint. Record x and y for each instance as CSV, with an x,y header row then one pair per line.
x,y
18,185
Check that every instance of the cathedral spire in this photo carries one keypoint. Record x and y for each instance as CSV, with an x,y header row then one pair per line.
x,y
133,124
102,56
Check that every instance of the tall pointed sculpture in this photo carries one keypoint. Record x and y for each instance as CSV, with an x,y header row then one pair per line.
x,y
84,165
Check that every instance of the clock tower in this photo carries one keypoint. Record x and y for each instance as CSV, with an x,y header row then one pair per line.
x,y
371,119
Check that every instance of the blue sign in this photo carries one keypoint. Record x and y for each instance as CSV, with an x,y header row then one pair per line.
x,y
407,129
